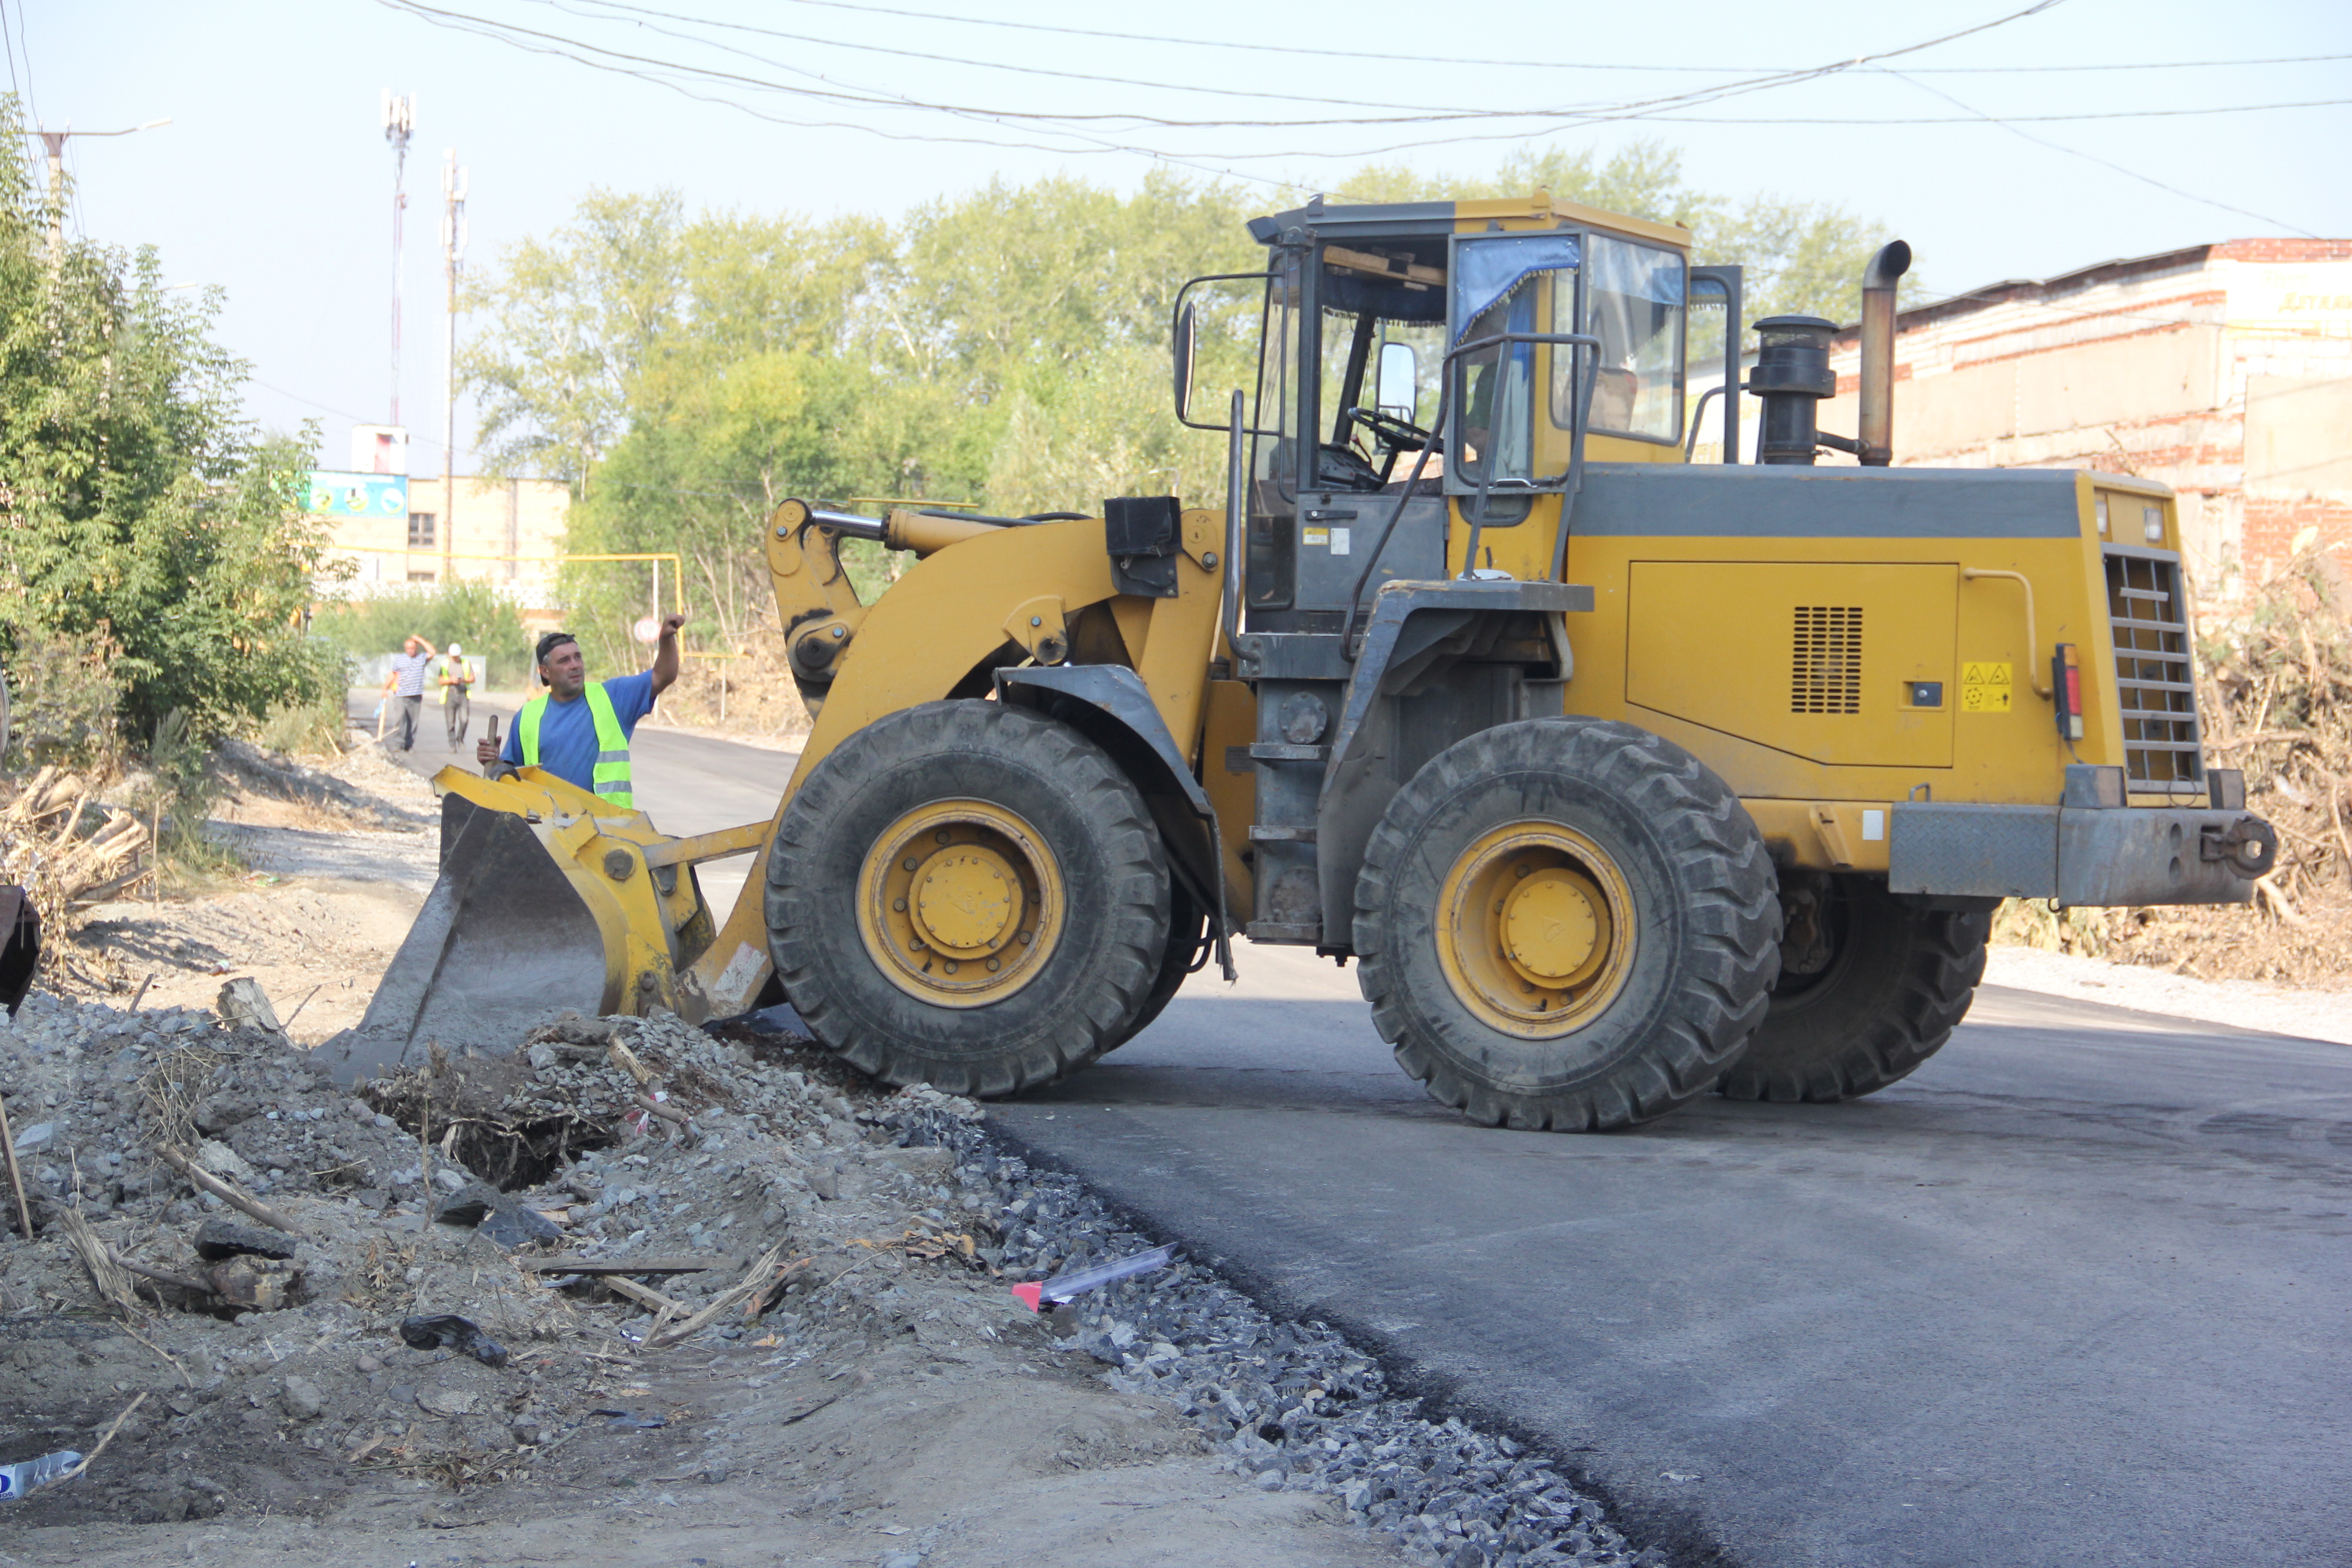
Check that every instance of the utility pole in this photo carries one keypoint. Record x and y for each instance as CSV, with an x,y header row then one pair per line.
x,y
399,119
55,142
453,261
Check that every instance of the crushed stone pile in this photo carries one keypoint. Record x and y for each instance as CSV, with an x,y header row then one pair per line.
x,y
279,1370
1292,1407
489,1257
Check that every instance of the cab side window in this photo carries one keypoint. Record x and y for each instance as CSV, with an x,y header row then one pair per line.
x,y
1635,303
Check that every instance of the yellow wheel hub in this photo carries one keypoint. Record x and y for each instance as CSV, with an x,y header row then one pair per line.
x,y
1535,928
960,902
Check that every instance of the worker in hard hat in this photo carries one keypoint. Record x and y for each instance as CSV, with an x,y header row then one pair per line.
x,y
456,693
579,729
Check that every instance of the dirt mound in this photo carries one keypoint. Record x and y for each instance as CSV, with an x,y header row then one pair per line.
x,y
620,1182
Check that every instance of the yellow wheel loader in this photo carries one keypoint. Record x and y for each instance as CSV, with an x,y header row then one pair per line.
x,y
1622,777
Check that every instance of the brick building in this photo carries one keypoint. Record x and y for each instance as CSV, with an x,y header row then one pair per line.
x,y
509,532
2223,370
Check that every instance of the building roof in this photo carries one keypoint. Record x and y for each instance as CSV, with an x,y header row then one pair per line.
x,y
2117,270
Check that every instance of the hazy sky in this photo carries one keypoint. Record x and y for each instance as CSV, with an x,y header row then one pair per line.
x,y
274,180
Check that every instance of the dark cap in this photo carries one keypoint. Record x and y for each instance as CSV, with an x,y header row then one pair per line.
x,y
549,643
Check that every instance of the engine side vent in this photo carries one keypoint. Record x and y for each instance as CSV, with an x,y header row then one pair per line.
x,y
1825,660
2156,691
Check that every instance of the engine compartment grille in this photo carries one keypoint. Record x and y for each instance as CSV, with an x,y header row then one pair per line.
x,y
1825,659
2156,691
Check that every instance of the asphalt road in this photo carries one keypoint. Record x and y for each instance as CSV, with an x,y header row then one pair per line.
x,y
2079,1292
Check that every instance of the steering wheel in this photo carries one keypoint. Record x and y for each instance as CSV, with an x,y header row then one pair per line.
x,y
1397,434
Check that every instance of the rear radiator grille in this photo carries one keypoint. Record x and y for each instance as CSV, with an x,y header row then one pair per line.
x,y
1825,661
2155,693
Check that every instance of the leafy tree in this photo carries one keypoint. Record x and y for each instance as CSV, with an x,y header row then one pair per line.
x,y
137,508
468,612
1802,258
1007,346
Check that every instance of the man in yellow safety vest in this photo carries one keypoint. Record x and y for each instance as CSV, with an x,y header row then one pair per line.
x,y
580,732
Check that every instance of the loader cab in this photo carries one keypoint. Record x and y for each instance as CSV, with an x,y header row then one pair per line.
x,y
1362,395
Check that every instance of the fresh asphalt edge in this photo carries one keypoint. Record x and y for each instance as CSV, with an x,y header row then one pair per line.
x,y
1292,1403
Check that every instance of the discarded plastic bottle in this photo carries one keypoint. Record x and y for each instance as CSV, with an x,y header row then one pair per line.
x,y
31,1475
1062,1287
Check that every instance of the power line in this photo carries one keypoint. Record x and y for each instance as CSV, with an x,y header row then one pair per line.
x,y
868,97
1972,118
2103,162
497,33
612,5
1424,59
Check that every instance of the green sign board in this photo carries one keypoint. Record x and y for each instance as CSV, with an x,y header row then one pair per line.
x,y
357,495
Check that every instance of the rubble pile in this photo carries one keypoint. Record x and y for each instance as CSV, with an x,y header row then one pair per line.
x,y
283,1240
457,1276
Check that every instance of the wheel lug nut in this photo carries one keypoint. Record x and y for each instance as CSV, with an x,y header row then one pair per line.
x,y
899,905
951,967
992,966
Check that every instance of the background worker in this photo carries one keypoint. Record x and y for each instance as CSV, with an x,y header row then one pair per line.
x,y
406,681
578,731
456,694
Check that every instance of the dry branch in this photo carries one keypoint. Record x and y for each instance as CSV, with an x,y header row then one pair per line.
x,y
225,1193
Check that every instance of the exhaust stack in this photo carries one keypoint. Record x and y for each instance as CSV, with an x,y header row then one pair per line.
x,y
1876,434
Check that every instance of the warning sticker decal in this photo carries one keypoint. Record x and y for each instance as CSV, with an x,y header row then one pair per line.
x,y
1985,688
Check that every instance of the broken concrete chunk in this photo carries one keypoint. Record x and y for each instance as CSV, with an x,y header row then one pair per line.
x,y
303,1399
223,1161
219,1239
263,1284
447,1401
243,1001
220,1112
500,1216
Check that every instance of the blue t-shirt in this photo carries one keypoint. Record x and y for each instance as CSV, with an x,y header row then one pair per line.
x,y
567,731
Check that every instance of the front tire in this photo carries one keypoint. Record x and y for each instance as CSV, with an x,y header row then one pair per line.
x,y
1889,985
1567,924
1188,929
967,895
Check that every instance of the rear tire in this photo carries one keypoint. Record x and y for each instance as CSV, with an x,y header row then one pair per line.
x,y
967,895
1896,982
1567,924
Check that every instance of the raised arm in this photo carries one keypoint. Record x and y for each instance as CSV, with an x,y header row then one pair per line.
x,y
665,655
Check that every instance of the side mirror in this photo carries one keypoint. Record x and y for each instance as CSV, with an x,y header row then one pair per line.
x,y
1399,381
1184,347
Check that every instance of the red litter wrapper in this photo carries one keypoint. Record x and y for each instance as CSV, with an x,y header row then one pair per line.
x,y
1062,1287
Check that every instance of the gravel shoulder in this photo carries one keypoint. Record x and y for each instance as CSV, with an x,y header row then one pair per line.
x,y
2311,1015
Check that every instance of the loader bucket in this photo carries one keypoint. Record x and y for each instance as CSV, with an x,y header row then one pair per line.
x,y
503,942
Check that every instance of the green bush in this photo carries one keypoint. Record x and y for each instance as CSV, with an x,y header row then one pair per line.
x,y
62,699
311,729
470,613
